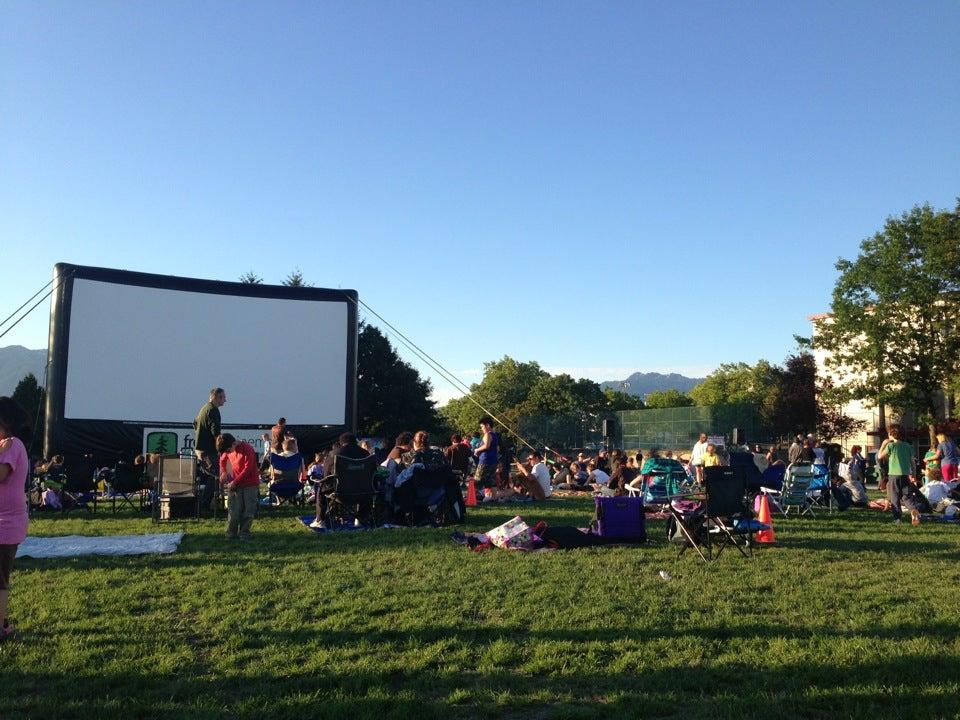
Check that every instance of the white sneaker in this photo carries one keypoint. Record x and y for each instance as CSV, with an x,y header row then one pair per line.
x,y
317,524
356,522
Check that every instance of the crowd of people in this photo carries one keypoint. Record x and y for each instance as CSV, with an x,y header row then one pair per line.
x,y
486,458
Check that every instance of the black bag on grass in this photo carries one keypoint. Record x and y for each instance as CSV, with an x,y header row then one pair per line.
x,y
563,537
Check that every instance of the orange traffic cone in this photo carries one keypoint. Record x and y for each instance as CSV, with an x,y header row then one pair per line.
x,y
471,492
766,536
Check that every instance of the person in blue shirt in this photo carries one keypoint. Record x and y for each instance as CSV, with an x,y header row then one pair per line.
x,y
487,456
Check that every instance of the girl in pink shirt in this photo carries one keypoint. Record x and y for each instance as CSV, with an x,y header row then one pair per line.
x,y
14,466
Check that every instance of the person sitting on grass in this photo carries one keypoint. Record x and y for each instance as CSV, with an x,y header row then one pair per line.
x,y
597,476
240,477
561,475
619,479
576,479
534,477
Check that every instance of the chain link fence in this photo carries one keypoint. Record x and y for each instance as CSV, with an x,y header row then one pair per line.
x,y
673,428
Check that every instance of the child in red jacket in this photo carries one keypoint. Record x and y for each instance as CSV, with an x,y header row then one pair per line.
x,y
240,476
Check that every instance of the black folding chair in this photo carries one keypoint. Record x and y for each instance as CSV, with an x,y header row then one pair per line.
x,y
350,490
78,486
128,483
728,518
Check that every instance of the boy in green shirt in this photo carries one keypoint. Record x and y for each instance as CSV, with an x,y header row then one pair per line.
x,y
900,455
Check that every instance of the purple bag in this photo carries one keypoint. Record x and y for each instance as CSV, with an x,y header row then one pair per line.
x,y
621,518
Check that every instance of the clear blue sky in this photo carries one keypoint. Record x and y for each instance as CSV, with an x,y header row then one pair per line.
x,y
602,187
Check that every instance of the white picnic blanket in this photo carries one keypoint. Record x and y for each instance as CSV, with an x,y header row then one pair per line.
x,y
73,545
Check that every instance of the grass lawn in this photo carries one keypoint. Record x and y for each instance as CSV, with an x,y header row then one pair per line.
x,y
848,616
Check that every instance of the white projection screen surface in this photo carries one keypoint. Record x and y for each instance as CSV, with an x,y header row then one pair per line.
x,y
143,354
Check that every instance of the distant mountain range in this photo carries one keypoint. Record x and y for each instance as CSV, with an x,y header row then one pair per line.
x,y
641,384
15,362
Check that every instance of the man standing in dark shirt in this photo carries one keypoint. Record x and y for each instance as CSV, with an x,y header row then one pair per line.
x,y
207,426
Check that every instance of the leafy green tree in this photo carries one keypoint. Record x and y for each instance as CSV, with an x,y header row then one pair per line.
x,y
251,278
759,385
797,403
30,395
616,400
831,421
391,395
295,279
668,399
561,394
892,336
505,386
729,383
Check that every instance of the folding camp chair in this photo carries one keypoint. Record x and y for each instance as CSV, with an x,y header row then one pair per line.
x,y
75,484
430,496
772,477
795,492
635,491
127,483
728,517
350,490
663,478
687,526
285,487
820,487
744,466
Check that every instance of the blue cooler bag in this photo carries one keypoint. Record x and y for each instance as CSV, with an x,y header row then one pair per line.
x,y
621,518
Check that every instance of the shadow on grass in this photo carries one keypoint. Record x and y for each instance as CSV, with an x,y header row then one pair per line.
x,y
588,679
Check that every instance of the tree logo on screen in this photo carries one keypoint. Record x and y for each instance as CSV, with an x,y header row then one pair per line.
x,y
162,443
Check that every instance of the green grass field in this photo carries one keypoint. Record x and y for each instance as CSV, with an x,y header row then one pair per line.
x,y
848,616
